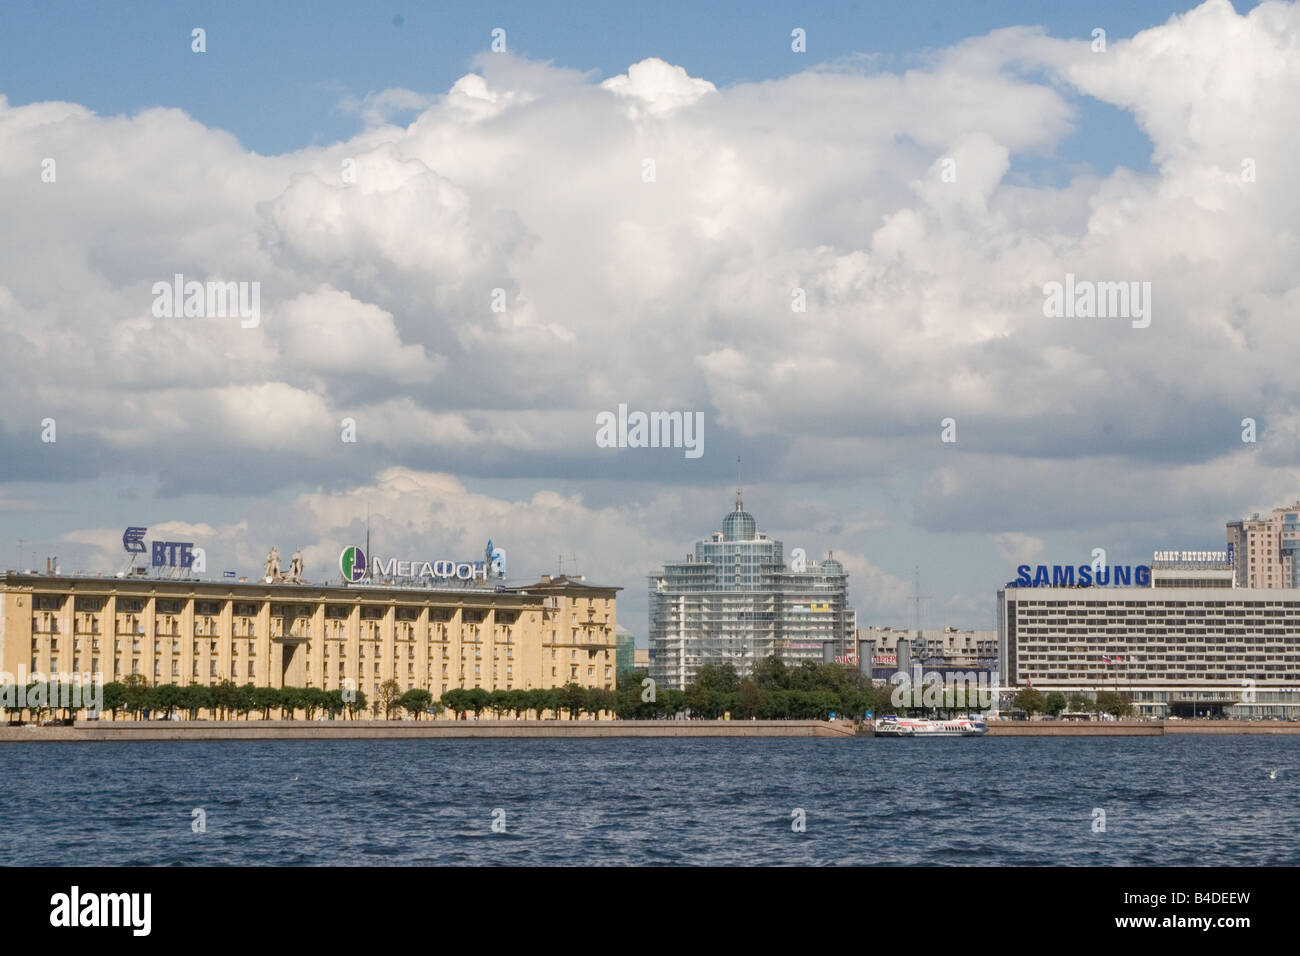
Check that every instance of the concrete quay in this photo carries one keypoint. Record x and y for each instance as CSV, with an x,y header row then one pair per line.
x,y
424,729
1136,728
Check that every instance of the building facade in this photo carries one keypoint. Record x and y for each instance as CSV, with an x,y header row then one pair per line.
x,y
1264,549
1173,650
735,600
884,651
544,635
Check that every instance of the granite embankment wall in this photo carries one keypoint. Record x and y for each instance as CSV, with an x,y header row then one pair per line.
x,y
557,729
432,729
1136,728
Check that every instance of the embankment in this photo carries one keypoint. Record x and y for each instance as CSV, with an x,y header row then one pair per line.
x,y
431,729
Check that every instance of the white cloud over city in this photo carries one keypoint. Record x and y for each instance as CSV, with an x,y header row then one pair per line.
x,y
379,259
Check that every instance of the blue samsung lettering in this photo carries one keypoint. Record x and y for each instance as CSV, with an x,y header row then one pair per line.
x,y
1062,577
1022,579
1123,575
1085,576
1041,580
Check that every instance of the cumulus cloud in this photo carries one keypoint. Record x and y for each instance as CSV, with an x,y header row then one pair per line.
x,y
1013,547
474,286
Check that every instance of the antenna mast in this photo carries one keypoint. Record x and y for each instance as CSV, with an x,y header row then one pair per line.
x,y
917,598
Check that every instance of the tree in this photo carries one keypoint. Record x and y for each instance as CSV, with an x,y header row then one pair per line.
x,y
225,698
291,700
573,699
245,700
416,701
1028,700
599,699
456,700
477,700
770,674
332,703
357,705
628,704
312,699
114,696
390,693
263,699
166,697
136,694
1079,704
194,698
1114,703
1054,703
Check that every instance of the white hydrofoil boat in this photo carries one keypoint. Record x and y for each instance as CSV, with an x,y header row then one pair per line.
x,y
892,726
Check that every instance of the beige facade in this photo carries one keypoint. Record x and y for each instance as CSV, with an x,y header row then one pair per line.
x,y
202,632
1264,549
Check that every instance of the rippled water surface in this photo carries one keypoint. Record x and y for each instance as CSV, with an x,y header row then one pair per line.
x,y
1167,801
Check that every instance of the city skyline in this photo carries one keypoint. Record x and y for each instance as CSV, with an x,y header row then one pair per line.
x,y
840,265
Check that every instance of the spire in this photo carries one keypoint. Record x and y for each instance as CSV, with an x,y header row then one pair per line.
x,y
740,505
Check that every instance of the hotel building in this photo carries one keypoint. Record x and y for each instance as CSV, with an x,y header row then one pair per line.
x,y
1173,649
735,600
557,631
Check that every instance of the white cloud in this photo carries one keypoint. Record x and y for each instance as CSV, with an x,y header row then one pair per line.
x,y
924,297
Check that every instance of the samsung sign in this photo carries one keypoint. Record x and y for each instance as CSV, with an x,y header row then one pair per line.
x,y
1083,576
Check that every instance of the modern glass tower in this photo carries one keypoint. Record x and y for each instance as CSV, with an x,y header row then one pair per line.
x,y
735,600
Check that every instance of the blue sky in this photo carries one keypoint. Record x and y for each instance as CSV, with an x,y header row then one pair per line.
x,y
776,169
274,73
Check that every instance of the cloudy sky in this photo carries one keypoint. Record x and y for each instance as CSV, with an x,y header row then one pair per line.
x,y
471,254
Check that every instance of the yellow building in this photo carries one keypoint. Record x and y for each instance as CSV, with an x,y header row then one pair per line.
x,y
182,632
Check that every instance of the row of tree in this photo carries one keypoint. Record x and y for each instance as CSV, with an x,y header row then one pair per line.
x,y
1055,703
810,691
226,700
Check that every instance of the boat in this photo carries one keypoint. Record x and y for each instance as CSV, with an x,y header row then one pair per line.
x,y
892,726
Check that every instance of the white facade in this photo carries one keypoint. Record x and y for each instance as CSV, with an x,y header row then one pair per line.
x,y
1173,650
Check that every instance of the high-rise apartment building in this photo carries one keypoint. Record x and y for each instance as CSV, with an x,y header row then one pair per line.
x,y
736,600
1264,549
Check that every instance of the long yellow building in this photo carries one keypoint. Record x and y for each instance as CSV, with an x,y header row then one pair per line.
x,y
557,631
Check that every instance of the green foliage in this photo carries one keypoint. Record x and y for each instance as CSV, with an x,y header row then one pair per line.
x,y
165,698
811,690
416,701
114,697
1114,703
1054,703
357,705
1029,700
573,699
137,692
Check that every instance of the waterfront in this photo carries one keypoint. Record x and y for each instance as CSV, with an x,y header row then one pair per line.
x,y
1186,800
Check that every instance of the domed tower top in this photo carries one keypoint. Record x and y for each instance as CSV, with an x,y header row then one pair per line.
x,y
740,524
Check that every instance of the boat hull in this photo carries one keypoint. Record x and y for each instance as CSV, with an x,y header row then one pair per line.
x,y
930,728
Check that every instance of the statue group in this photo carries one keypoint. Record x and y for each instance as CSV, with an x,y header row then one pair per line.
x,y
271,570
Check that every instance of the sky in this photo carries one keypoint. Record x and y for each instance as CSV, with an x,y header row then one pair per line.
x,y
838,258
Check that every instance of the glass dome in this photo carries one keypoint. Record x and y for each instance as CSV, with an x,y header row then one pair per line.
x,y
739,525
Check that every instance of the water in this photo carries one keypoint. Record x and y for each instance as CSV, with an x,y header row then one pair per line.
x,y
1168,801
